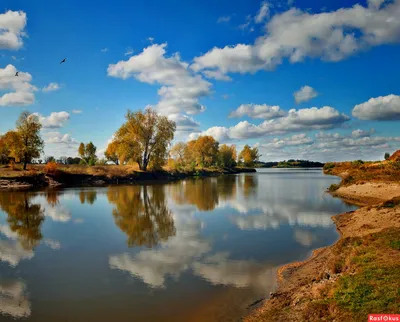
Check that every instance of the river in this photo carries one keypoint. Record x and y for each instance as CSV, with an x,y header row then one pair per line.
x,y
193,250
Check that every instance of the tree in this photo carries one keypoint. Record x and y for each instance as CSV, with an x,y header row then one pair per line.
x,y
11,147
387,155
145,137
28,127
88,153
249,155
227,156
205,150
178,152
111,152
49,159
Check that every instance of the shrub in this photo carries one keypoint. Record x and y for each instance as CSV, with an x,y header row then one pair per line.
x,y
333,187
329,165
51,167
358,162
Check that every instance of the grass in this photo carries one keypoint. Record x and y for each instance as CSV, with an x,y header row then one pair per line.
x,y
369,280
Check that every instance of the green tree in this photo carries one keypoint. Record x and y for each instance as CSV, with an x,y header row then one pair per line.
x,y
28,127
88,153
227,156
145,137
387,155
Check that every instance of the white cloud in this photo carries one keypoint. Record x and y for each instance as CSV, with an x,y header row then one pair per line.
x,y
294,140
184,123
58,138
263,13
104,50
224,19
12,25
51,87
77,111
216,74
382,108
181,89
296,120
54,120
53,244
305,94
263,111
361,133
297,34
22,91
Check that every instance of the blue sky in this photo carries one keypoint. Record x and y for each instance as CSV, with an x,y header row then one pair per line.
x,y
199,62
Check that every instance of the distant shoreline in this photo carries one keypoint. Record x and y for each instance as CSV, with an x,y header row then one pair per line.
x,y
62,179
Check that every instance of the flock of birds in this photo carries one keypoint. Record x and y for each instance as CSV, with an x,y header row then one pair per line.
x,y
63,61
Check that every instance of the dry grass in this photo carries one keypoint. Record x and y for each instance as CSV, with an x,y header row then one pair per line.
x,y
359,172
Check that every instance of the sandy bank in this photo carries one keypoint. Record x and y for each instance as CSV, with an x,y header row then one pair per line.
x,y
313,290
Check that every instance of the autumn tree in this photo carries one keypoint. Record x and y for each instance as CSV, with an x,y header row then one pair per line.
x,y
88,153
249,155
227,156
178,152
205,150
111,152
28,128
144,138
10,147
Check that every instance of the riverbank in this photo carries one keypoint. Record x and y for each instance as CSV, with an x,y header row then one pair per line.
x,y
358,275
37,178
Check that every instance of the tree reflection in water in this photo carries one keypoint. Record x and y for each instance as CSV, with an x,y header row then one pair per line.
x,y
24,217
141,212
204,193
89,196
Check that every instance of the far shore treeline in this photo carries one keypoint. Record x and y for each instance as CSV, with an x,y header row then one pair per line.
x,y
144,139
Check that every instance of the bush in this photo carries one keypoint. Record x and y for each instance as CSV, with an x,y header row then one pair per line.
x,y
329,165
333,187
358,162
50,167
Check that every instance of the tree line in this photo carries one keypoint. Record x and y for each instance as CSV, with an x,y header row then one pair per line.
x,y
145,138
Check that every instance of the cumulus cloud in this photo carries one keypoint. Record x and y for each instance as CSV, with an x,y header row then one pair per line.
x,y
263,111
295,121
305,94
12,25
58,138
296,35
382,108
54,120
180,89
263,13
216,74
51,87
184,123
20,87
278,143
361,133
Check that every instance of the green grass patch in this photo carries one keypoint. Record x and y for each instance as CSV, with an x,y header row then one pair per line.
x,y
333,187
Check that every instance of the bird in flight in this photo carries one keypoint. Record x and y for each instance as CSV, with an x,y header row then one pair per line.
x,y
63,61
16,74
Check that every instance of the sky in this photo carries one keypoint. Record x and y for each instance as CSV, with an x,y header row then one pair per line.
x,y
298,79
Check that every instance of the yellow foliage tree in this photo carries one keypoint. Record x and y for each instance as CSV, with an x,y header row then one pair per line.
x,y
145,137
249,155
204,149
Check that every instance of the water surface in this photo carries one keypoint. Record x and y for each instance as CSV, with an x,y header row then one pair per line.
x,y
194,250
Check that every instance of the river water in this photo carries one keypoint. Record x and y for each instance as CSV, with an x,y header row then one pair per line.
x,y
193,250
